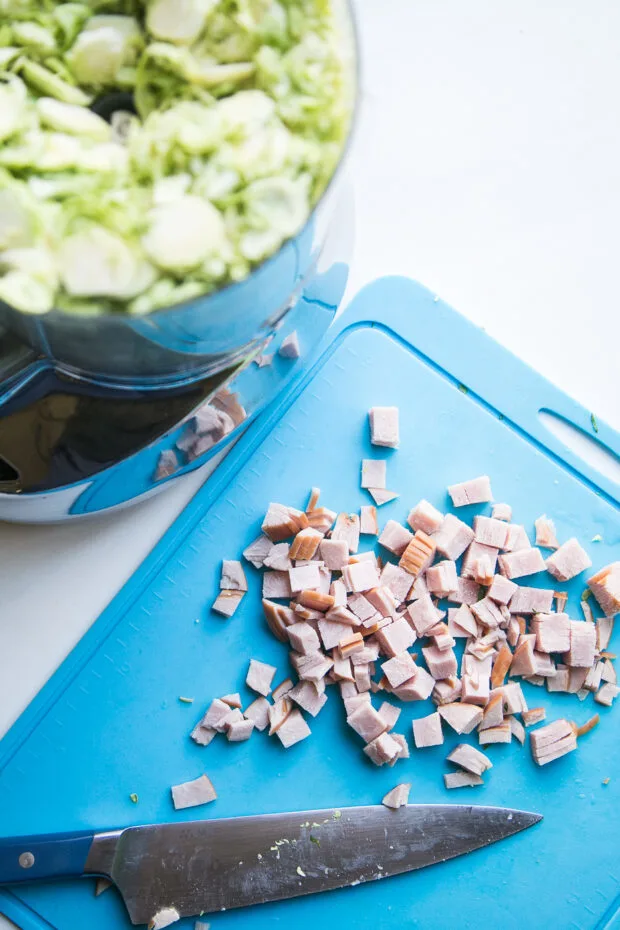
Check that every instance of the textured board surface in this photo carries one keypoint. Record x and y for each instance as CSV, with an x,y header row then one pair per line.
x,y
110,722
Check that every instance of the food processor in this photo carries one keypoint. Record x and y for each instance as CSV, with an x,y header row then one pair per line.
x,y
100,411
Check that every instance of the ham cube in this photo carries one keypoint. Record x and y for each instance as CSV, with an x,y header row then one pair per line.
x,y
361,673
367,722
533,716
347,528
321,519
419,554
399,669
342,670
467,592
568,561
290,346
447,691
476,491
582,644
293,730
516,538
501,664
522,562
397,580
258,713
215,716
499,734
202,736
425,517
239,731
604,629
226,603
396,638
383,749
256,552
463,718
278,557
384,426
332,632
417,688
552,741
423,615
517,729
427,731
303,577
502,512
513,701
461,622
501,590
470,759
281,522
193,793
453,538
545,533
316,601
389,714
531,601
461,780
374,473
361,607
441,664
381,496
397,797
305,544
560,681
368,521
476,676
342,615
487,613
360,576
162,919
276,584
303,638
482,570
395,538
382,600
260,677
233,577
475,552
441,578
404,748
524,661
308,697
605,587
552,632
607,694
338,591
490,532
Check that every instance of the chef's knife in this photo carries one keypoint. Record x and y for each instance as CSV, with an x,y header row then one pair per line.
x,y
212,865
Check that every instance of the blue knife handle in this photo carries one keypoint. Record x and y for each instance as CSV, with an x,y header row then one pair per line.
x,y
32,858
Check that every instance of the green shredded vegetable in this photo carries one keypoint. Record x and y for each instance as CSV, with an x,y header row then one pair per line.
x,y
594,422
243,110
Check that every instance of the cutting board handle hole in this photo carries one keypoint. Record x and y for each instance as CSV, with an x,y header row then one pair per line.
x,y
593,452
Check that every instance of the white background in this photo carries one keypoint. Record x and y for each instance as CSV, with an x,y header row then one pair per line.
x,y
487,168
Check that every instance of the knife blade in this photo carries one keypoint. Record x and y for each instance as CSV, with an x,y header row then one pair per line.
x,y
212,865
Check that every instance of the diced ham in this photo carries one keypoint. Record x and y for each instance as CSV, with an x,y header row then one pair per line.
x,y
533,716
342,615
306,613
374,473
502,512
463,718
423,615
594,677
427,731
361,673
467,592
306,695
303,638
399,669
347,528
293,730
278,557
487,613
276,584
501,664
193,793
227,602
362,608
475,552
332,632
356,700
419,588
396,638
419,554
476,675
501,589
568,561
552,632
522,562
516,538
441,578
397,580
389,714
425,517
303,577
490,532
381,497
233,577
316,600
305,544
360,577
493,715
338,591
482,570
417,688
384,426
607,694
475,491
281,522
461,780
255,553
447,690
385,748
605,587
342,670
560,681
395,537
461,621
582,644
315,494
552,741
404,748
441,663
367,722
233,700
258,713
321,519
576,679
545,533
609,672
290,346
499,734
239,731
453,538
203,735
517,729
397,797
278,713
260,677
368,521
382,600
369,653
351,644
215,716
524,660
513,700
531,601
164,918
470,759
443,640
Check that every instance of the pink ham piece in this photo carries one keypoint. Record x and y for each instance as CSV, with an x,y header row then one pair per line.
x,y
404,748
499,734
193,793
278,557
493,715
276,584
441,663
361,673
315,667
382,600
427,731
278,713
233,577
360,577
385,748
425,517
605,587
446,691
396,638
305,544
303,638
482,570
389,714
293,730
423,615
397,580
545,533
215,716
463,718
226,603
582,644
303,577
553,741
524,660
239,731
332,632
374,473
313,502
442,639
316,601
467,592
381,497
533,716
256,552
475,552
281,522
202,736
470,759
397,797
487,613
516,538
306,695
419,588
347,528
233,700
258,713
399,669
164,918
531,601
490,532
321,519
342,615
338,591
501,590
453,538
560,681
290,346
260,677
395,538
361,607
441,578
476,678
417,688
607,694
517,729
552,632
502,512
342,670
368,521
384,426
476,491
568,561
513,700
418,555
461,780
521,563
278,618
367,722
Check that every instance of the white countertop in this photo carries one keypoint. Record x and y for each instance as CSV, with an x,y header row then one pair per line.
x,y
486,168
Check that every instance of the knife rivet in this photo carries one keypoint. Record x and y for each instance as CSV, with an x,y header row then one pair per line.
x,y
26,860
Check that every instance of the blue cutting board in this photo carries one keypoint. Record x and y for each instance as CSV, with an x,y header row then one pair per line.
x,y
109,723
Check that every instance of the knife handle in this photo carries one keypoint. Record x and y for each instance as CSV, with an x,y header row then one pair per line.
x,y
32,858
